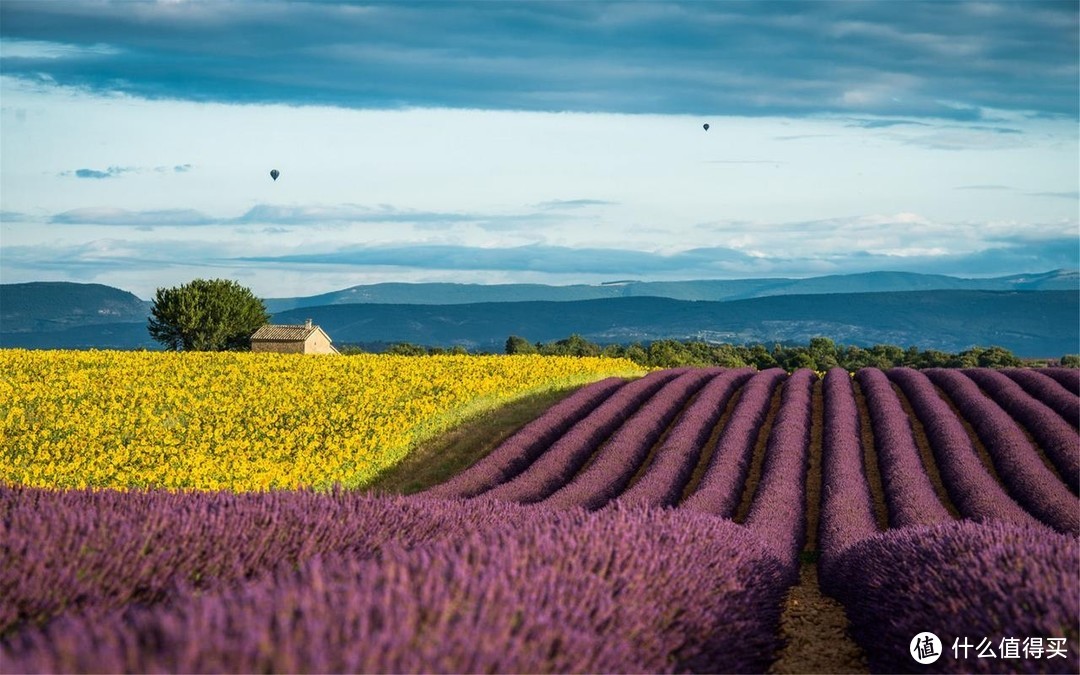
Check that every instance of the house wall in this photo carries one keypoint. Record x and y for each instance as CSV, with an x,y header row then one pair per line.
x,y
318,343
279,346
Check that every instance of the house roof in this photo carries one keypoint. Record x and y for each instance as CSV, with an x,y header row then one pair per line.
x,y
285,333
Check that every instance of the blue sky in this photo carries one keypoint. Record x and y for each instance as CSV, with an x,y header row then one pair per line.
x,y
556,142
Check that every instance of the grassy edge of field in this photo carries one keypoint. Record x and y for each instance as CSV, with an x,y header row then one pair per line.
x,y
453,442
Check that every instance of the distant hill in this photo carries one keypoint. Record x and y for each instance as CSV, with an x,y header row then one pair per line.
x,y
129,335
1022,316
1031,324
49,306
716,290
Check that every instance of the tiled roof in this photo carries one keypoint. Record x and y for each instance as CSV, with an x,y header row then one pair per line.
x,y
285,333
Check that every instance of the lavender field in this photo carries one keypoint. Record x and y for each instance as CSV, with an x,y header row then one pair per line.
x,y
654,525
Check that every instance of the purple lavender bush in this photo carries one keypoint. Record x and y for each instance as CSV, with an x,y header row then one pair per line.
x,y
909,494
665,479
976,494
565,457
547,590
106,549
778,509
964,582
1033,485
721,486
1049,391
847,507
514,454
1066,377
615,463
1055,436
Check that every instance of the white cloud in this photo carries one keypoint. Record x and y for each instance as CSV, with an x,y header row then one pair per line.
x,y
790,196
14,48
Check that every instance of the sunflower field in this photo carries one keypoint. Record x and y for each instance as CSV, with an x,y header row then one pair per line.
x,y
243,421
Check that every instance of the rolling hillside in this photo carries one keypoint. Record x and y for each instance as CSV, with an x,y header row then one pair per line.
x,y
714,289
1031,323
48,306
1037,323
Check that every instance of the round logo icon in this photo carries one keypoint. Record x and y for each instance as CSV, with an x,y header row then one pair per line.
x,y
925,648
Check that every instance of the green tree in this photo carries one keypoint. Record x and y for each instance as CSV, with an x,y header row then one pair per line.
x,y
822,352
761,358
886,356
637,354
1071,360
933,358
998,357
515,344
854,357
969,358
407,349
575,345
613,350
726,356
667,354
206,315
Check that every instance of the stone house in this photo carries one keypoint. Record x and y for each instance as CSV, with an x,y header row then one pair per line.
x,y
292,339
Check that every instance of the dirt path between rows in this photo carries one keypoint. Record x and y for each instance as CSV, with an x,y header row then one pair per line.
x,y
814,629
813,625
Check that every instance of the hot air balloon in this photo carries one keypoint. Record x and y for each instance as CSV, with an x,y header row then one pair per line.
x,y
705,127
274,173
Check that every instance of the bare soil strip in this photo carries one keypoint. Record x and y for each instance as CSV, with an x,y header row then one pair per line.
x,y
1040,451
710,446
813,475
926,453
647,462
757,459
814,628
870,460
980,449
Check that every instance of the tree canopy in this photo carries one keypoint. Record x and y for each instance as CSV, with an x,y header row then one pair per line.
x,y
206,315
821,353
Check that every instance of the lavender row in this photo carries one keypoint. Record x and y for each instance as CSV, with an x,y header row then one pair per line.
x,y
1053,434
975,492
909,495
60,549
778,511
552,469
1034,486
1049,391
1066,377
721,486
847,507
618,590
964,582
616,462
664,480
514,454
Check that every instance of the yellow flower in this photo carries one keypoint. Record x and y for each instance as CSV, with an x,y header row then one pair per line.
x,y
244,421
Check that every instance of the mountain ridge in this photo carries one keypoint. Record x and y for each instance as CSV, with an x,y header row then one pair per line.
x,y
1029,323
1036,324
699,289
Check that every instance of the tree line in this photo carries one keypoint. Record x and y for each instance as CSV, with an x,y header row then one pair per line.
x,y
221,315
820,354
